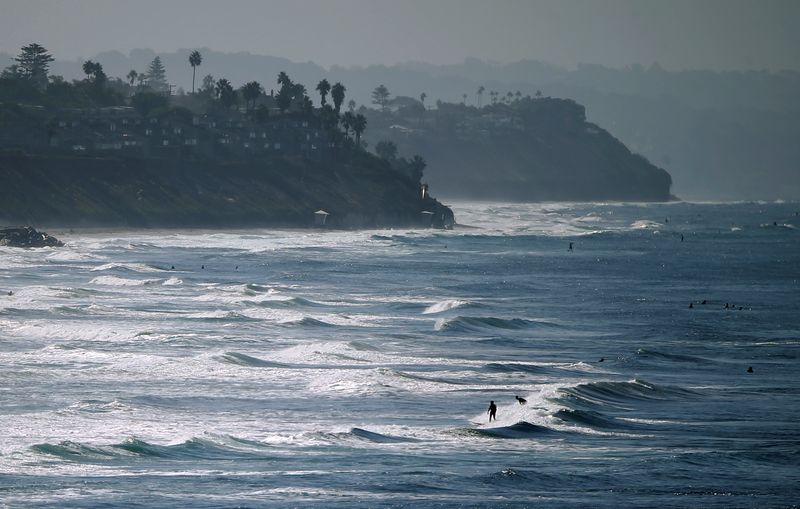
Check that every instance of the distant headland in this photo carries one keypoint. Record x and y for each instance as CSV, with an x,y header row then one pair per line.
x,y
105,151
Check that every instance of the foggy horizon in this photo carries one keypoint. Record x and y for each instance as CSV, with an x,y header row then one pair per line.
x,y
714,35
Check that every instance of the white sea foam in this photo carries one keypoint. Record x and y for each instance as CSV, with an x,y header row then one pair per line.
x,y
121,281
134,267
444,305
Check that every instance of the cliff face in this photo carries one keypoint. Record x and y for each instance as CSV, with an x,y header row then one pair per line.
x,y
530,150
73,191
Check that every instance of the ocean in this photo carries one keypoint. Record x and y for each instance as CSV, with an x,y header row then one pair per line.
x,y
312,368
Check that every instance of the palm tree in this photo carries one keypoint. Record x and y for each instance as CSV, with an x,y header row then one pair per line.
x,y
337,93
283,79
481,89
225,93
351,105
195,59
464,96
359,124
422,98
132,75
323,87
347,122
250,92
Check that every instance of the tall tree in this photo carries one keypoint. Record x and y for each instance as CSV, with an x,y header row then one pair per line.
x,y
348,119
195,59
481,90
157,76
94,73
380,96
337,93
464,97
323,87
132,75
33,63
226,95
250,92
422,98
359,125
283,79
351,105
418,165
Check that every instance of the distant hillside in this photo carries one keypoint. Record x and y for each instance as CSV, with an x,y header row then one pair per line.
x,y
721,135
525,149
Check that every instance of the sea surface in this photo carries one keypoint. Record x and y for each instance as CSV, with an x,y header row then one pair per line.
x,y
283,368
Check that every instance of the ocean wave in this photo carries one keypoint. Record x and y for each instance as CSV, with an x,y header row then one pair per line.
x,y
498,367
474,323
522,429
241,359
420,378
121,281
284,303
445,305
590,419
356,435
655,354
190,450
130,267
620,393
307,322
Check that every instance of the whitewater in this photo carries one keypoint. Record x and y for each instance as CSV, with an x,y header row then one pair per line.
x,y
314,368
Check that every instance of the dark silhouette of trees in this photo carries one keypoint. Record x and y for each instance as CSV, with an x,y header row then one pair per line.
x,y
464,97
94,73
481,90
348,119
195,59
417,166
422,98
380,96
359,125
250,92
32,64
323,87
337,94
351,105
286,92
157,76
146,102
226,95
386,150
132,75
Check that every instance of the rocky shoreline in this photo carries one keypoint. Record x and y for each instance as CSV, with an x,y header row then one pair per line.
x,y
27,237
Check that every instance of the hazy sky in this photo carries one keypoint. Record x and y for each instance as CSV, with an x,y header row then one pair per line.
x,y
714,34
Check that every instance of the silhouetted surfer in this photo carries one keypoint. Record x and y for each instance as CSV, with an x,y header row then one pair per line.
x,y
704,302
602,359
681,237
691,306
492,411
570,247
750,369
522,401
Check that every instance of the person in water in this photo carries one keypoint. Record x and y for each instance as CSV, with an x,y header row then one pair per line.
x,y
522,401
570,247
750,369
492,411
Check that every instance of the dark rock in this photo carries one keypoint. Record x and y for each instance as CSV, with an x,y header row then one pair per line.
x,y
27,237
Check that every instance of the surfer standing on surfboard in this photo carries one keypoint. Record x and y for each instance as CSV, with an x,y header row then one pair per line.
x,y
492,411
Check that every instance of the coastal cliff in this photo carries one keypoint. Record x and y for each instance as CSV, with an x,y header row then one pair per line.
x,y
114,191
528,149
